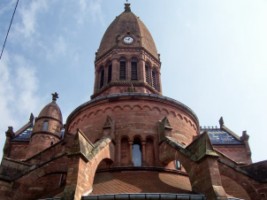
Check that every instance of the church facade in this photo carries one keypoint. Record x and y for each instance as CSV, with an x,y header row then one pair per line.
x,y
129,141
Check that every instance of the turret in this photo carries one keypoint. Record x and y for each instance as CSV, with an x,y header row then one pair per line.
x,y
47,128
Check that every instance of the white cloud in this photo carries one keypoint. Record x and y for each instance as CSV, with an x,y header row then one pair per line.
x,y
6,92
18,88
28,15
94,8
7,6
59,48
26,84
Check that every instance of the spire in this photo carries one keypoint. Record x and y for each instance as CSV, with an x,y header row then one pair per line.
x,y
127,7
54,96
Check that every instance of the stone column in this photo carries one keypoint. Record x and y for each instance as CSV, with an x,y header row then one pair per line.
x,y
143,153
130,152
115,70
142,70
118,149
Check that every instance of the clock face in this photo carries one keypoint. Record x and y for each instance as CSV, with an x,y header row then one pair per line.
x,y
128,40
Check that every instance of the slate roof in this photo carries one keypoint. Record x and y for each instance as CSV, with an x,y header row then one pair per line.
x,y
24,136
220,137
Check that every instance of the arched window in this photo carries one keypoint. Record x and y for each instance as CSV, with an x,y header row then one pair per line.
x,y
122,69
102,75
148,74
45,125
134,75
109,72
137,153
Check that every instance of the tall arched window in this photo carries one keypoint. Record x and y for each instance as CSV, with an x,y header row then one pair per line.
x,y
109,72
137,153
148,74
134,75
122,69
102,75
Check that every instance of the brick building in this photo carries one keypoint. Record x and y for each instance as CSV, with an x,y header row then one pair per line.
x,y
129,141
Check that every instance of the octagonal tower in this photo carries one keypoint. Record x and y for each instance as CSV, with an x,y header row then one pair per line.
x,y
127,58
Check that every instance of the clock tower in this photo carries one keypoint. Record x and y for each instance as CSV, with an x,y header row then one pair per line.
x,y
127,59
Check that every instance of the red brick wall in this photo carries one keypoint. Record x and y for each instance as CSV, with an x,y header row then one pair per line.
x,y
234,189
18,150
135,118
238,153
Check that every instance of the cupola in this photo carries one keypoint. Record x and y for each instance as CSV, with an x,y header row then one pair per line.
x,y
47,127
127,59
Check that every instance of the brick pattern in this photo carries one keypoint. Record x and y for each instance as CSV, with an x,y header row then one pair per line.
x,y
140,182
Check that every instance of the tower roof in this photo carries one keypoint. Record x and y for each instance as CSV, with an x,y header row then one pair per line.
x,y
51,110
127,24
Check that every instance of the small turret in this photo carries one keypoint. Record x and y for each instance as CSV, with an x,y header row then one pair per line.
x,y
47,128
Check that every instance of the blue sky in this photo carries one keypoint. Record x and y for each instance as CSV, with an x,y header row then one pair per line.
x,y
213,57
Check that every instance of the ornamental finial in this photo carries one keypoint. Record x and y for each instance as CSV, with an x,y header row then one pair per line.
x,y
54,96
127,7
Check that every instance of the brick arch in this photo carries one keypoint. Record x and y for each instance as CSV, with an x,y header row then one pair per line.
x,y
233,188
125,137
105,164
206,169
150,137
108,61
83,117
117,107
86,170
126,107
165,110
40,177
107,109
243,180
173,113
89,114
137,106
98,111
147,107
180,116
137,136
156,108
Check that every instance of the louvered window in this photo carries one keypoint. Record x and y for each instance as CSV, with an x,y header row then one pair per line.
x,y
148,74
102,75
109,72
134,70
122,69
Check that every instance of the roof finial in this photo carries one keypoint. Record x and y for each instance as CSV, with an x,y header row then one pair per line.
x,y
127,7
54,96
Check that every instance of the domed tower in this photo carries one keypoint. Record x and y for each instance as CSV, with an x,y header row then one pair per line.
x,y
47,128
127,104
128,113
127,58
